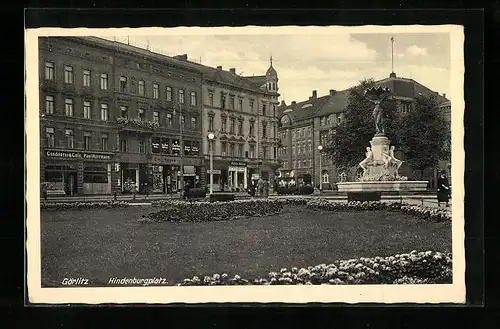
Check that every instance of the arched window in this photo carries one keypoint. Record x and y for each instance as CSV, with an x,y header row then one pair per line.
x,y
325,179
342,177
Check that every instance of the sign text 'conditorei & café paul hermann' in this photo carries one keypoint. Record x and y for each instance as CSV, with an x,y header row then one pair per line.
x,y
77,155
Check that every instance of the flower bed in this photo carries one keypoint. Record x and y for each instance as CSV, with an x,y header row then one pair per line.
x,y
427,213
412,268
212,211
82,205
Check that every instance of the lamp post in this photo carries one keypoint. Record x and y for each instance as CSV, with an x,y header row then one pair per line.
x,y
181,144
320,147
211,137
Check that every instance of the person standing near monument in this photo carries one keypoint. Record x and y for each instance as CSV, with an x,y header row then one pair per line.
x,y
443,189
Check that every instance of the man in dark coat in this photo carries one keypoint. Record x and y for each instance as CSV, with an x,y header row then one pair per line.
x,y
443,189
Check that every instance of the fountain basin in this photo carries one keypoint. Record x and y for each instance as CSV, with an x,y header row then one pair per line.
x,y
382,186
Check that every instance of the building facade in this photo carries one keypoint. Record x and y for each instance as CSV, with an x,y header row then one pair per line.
x,y
241,112
114,116
304,125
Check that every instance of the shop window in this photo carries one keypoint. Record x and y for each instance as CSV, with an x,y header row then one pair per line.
x,y
104,81
49,104
49,133
95,174
87,78
70,138
169,93
68,74
87,110
49,71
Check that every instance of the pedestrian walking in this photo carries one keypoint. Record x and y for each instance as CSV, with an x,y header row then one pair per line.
x,y
44,191
443,189
260,187
266,188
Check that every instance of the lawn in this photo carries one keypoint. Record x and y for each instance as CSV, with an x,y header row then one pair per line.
x,y
101,244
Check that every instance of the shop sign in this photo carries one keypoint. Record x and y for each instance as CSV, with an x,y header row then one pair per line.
x,y
158,159
255,176
238,169
238,164
214,171
78,155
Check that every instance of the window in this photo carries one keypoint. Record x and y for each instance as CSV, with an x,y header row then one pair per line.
x,y
169,120
294,149
310,162
274,110
324,177
49,104
142,146
86,78
86,140
68,74
211,123
223,127
275,130
123,145
405,107
87,110
232,150
304,164
104,81
232,126
252,151
181,96
104,142
264,152
275,152
240,150
193,98
293,134
70,140
141,87
251,106
264,129
68,107
252,129
193,122
328,120
142,114
223,148
183,121
123,84
211,99
231,102
222,101
169,93
308,131
298,149
49,133
264,109
156,116
124,112
49,70
156,91
104,112
240,127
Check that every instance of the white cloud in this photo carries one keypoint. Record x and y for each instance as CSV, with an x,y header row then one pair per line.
x,y
416,51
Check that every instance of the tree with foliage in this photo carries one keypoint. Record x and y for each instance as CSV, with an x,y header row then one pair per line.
x,y
424,135
346,143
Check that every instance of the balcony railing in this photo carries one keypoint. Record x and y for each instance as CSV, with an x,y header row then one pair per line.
x,y
137,123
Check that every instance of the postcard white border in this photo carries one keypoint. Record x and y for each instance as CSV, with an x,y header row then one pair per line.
x,y
451,293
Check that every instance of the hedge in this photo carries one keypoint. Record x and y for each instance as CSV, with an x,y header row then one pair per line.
x,y
55,206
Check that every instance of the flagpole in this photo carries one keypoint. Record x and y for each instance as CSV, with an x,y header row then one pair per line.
x,y
392,53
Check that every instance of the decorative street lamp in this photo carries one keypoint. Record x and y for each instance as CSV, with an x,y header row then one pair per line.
x,y
320,148
211,137
181,144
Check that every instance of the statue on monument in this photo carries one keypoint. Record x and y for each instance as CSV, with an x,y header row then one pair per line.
x,y
369,157
377,96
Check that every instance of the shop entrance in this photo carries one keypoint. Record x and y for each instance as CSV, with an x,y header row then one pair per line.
x,y
70,186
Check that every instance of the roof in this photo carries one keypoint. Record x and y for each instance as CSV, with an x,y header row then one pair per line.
x,y
337,102
209,73
271,72
258,80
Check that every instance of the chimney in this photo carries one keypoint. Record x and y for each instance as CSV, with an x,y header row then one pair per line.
x,y
315,94
219,67
444,95
182,57
294,102
332,92
232,70
283,103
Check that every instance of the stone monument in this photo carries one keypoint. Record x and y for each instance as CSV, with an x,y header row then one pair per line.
x,y
380,166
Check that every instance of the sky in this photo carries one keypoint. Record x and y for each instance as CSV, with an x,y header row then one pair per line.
x,y
316,62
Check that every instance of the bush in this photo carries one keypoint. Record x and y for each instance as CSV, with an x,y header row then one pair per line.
x,y
286,190
412,268
306,189
197,192
221,197
54,206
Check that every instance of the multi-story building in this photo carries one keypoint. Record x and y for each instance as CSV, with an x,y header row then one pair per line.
x,y
114,115
303,126
242,114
